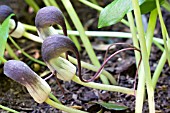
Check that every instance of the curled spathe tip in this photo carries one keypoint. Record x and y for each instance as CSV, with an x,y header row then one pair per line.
x,y
48,16
54,45
21,73
5,11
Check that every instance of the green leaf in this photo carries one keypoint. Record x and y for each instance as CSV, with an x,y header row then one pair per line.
x,y
149,5
112,106
115,11
4,30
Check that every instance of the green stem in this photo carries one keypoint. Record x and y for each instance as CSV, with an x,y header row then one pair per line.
x,y
92,5
54,98
8,109
88,33
3,59
134,36
150,30
164,31
149,35
46,2
94,2
83,37
158,45
62,107
33,4
24,53
145,57
159,68
32,37
104,86
166,5
141,83
29,27
11,52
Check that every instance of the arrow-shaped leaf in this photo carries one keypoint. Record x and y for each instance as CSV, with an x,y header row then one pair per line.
x,y
115,11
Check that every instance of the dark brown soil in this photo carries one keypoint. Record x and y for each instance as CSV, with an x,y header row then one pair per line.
x,y
122,67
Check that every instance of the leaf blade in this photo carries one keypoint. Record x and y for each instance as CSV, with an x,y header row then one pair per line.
x,y
113,12
116,10
112,106
4,30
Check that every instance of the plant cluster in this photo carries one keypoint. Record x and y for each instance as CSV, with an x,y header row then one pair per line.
x,y
57,43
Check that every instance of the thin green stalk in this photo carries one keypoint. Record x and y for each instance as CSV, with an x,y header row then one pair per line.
x,y
33,4
3,59
149,35
141,83
24,53
94,2
46,2
8,109
73,38
29,27
150,30
67,4
159,68
94,6
166,5
54,98
62,107
32,37
158,45
53,3
11,52
93,68
164,31
104,86
88,33
145,58
134,36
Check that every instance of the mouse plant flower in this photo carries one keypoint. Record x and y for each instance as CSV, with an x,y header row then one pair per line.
x,y
36,86
16,28
52,47
45,18
21,73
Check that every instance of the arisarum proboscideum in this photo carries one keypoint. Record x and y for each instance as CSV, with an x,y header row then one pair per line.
x,y
21,73
52,47
16,28
45,19
36,86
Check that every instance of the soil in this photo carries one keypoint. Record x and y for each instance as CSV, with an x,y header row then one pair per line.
x,y
122,67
